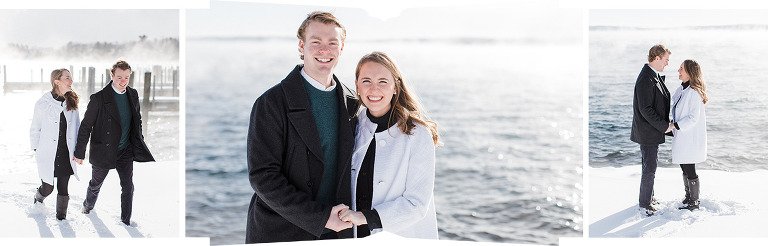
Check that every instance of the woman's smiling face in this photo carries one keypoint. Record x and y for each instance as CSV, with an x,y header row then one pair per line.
x,y
376,87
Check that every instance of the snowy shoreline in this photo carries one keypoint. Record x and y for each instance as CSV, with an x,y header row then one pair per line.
x,y
731,204
155,205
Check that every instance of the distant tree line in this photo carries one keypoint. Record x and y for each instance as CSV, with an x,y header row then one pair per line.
x,y
166,49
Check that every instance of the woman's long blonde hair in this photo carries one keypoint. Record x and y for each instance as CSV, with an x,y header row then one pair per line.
x,y
693,70
71,97
405,107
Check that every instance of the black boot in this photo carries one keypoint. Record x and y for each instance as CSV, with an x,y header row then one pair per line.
x,y
61,207
687,190
693,185
39,197
86,210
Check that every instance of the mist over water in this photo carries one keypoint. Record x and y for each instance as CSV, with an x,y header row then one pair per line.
x,y
733,66
510,170
143,50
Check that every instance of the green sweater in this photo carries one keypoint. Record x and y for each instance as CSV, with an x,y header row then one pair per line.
x,y
125,118
325,109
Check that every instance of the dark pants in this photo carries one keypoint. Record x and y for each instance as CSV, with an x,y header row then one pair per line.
x,y
125,172
62,184
649,153
689,170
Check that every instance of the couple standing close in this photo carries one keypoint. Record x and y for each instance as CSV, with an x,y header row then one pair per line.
x,y
312,149
651,122
112,121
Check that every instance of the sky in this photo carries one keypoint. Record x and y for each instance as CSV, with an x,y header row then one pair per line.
x,y
54,28
480,19
676,17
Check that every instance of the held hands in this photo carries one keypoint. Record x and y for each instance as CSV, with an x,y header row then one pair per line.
x,y
671,126
354,217
334,223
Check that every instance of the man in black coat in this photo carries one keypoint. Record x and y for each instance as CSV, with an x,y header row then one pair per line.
x,y
113,122
300,142
650,120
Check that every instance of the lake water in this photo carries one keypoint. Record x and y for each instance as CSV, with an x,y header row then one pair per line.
x,y
733,67
510,116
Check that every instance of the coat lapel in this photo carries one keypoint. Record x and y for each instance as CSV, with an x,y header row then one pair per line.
x,y
60,106
109,102
661,88
346,138
677,101
658,82
133,100
68,115
299,115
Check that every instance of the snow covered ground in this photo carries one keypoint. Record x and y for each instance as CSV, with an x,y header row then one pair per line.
x,y
155,205
156,202
733,204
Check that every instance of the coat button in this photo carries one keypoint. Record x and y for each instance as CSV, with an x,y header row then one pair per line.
x,y
107,144
382,143
107,133
109,119
309,183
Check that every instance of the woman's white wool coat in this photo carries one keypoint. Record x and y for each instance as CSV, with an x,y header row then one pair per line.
x,y
689,145
403,178
44,134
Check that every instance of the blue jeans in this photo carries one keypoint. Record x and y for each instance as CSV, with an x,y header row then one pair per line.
x,y
649,154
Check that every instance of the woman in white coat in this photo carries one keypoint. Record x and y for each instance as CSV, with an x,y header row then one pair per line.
x,y
55,123
393,163
689,145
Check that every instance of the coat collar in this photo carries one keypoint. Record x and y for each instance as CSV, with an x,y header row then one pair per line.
x,y
59,106
128,89
650,72
108,98
659,84
296,95
365,124
300,115
49,98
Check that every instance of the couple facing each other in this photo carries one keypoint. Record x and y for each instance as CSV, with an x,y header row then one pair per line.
x,y
322,166
112,121
651,122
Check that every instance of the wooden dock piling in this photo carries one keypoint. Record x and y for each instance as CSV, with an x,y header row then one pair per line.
x,y
145,102
91,80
